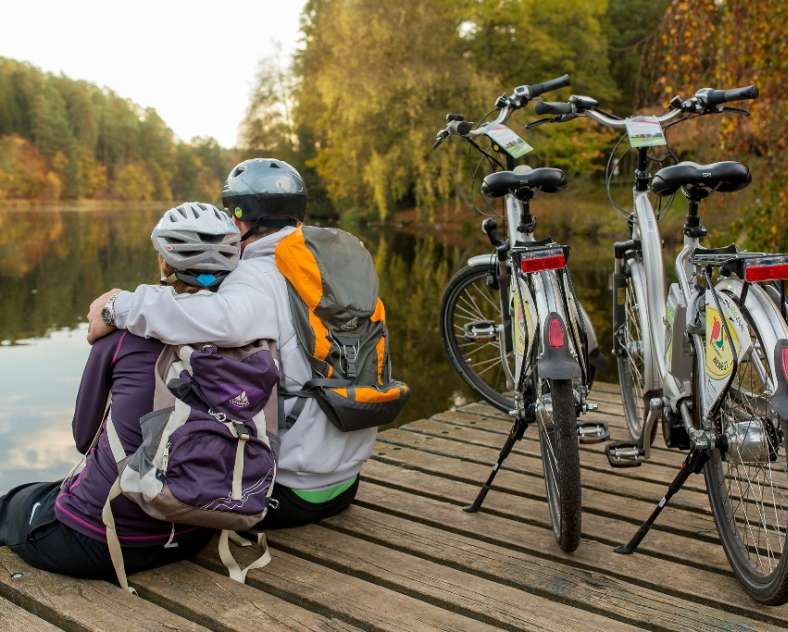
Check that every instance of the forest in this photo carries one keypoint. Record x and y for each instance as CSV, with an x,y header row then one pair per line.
x,y
358,106
67,139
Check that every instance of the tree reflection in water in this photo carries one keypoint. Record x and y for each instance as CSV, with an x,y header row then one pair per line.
x,y
54,262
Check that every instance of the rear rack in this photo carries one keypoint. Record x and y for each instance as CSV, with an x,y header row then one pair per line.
x,y
754,267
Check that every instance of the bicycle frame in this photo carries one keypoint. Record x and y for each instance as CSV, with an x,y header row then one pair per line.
x,y
662,387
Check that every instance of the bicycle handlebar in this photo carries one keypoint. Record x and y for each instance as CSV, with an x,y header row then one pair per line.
x,y
713,98
548,86
505,105
553,107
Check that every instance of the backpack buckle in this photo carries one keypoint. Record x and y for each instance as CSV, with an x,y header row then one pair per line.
x,y
240,430
350,354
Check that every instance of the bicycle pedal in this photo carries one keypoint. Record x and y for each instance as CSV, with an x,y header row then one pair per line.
x,y
590,407
592,431
624,454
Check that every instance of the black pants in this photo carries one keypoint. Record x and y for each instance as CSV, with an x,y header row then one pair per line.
x,y
295,512
29,527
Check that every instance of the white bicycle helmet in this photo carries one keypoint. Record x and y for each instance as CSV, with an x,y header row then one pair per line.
x,y
199,242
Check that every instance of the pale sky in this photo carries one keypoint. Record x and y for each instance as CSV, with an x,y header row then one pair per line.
x,y
192,60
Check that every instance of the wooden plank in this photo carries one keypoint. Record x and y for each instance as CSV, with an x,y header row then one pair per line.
x,y
514,484
661,467
13,618
676,578
578,586
669,459
486,600
218,602
335,594
79,604
609,530
470,444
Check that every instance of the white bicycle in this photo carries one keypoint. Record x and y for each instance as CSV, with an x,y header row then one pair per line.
x,y
516,312
711,361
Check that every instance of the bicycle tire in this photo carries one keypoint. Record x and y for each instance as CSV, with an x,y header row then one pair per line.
x,y
452,315
731,517
630,336
562,482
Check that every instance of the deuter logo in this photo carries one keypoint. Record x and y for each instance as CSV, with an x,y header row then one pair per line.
x,y
240,401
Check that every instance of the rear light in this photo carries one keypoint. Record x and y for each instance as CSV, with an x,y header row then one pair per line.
x,y
785,363
553,259
555,333
771,269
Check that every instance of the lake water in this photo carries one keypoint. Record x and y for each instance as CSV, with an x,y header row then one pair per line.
x,y
53,262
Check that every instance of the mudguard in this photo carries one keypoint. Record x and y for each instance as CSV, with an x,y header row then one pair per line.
x,y
780,397
556,363
772,328
487,260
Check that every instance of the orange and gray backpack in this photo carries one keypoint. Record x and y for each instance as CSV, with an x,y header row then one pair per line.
x,y
340,324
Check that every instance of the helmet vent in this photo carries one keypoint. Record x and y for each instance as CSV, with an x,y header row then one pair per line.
x,y
238,171
273,165
210,239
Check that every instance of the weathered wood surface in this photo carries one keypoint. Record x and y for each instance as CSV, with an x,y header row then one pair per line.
x,y
405,557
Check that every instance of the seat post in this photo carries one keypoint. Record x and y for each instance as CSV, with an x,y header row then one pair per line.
x,y
693,227
527,221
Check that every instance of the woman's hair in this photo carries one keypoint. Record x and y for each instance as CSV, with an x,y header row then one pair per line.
x,y
179,286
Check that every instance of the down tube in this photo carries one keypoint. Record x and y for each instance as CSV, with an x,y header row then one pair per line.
x,y
651,245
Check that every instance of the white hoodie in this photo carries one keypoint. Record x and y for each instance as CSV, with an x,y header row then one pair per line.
x,y
252,304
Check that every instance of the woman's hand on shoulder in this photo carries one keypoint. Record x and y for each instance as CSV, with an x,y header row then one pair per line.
x,y
97,328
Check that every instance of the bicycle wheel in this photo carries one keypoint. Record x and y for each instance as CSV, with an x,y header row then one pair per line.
x,y
471,329
748,483
631,330
561,463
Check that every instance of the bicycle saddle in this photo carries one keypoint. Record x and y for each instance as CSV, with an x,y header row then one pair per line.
x,y
547,179
719,176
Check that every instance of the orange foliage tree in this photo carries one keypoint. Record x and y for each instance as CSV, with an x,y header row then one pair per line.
x,y
726,44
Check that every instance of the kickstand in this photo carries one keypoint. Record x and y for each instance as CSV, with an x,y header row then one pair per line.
x,y
515,434
693,464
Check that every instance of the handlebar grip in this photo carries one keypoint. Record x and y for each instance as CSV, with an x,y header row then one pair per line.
x,y
461,128
548,86
553,107
717,97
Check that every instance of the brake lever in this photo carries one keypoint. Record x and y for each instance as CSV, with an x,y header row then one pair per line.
x,y
561,118
442,135
540,122
736,110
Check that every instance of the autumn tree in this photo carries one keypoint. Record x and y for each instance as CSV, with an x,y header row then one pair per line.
x,y
726,44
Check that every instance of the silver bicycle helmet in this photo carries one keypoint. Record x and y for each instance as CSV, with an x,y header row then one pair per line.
x,y
199,242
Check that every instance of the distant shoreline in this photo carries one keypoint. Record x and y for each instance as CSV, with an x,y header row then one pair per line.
x,y
83,205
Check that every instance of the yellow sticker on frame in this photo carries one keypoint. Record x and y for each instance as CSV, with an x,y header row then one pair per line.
x,y
719,352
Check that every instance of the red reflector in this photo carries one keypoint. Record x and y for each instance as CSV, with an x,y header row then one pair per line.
x,y
774,272
785,362
553,262
555,333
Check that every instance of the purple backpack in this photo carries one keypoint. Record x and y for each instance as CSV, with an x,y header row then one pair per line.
x,y
205,458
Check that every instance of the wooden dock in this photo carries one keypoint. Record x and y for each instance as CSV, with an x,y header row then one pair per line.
x,y
405,557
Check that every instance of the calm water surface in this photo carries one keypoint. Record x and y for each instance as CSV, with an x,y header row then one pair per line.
x,y
54,262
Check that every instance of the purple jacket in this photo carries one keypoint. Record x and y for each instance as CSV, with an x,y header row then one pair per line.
x,y
123,364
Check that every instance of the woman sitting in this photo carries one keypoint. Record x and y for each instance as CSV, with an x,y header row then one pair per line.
x,y
58,526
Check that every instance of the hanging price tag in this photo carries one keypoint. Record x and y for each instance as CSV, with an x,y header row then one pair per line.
x,y
507,140
645,131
